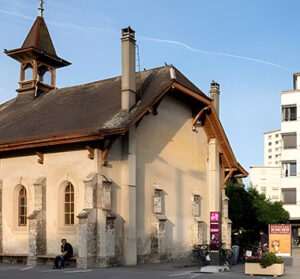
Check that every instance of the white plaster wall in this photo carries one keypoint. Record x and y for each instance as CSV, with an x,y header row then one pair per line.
x,y
272,148
58,167
289,98
171,157
268,177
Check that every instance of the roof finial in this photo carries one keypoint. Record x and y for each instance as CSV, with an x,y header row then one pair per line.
x,y
41,8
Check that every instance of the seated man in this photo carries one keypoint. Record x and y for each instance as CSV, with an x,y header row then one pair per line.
x,y
67,252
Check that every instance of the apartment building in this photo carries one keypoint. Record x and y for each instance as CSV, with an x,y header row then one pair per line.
x,y
272,148
280,173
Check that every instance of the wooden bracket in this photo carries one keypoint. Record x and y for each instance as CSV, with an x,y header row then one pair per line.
x,y
198,116
228,176
107,148
91,151
40,159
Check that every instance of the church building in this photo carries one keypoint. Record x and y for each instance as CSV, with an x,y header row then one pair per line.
x,y
127,169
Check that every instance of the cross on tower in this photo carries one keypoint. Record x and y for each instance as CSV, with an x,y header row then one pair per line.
x,y
41,8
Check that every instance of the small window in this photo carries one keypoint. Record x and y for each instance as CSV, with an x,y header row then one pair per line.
x,y
270,150
289,195
69,204
276,142
22,204
270,137
289,113
270,157
276,136
270,143
196,205
289,140
158,201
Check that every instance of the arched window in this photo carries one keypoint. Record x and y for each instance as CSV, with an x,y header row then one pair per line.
x,y
69,204
22,207
44,75
28,72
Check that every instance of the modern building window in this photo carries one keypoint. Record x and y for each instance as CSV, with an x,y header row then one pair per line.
x,y
69,204
22,207
276,142
270,136
289,195
270,143
289,140
270,157
276,136
289,168
270,150
289,113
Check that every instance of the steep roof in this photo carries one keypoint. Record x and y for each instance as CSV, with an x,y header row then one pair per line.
x,y
87,108
38,45
93,111
39,37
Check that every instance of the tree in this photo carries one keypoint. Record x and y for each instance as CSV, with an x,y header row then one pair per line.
x,y
250,211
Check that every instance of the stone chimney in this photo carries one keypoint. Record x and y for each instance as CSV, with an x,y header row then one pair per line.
x,y
128,69
214,93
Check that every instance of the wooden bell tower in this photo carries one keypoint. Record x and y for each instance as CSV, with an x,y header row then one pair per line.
x,y
38,59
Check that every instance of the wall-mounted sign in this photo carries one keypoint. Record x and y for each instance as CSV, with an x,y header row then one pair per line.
x,y
280,240
214,230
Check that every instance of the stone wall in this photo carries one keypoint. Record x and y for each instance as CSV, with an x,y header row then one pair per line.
x,y
37,223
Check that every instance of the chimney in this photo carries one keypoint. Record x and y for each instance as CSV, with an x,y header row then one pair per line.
x,y
214,93
128,69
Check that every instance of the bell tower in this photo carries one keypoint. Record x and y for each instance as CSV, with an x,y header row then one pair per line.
x,y
38,59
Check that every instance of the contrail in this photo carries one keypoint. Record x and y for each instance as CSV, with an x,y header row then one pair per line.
x,y
15,14
158,40
216,53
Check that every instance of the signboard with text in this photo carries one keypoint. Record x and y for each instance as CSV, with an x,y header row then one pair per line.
x,y
214,230
280,240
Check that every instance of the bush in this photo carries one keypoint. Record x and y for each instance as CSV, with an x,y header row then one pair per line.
x,y
268,259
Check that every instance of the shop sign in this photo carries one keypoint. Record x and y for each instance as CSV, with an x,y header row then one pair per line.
x,y
280,240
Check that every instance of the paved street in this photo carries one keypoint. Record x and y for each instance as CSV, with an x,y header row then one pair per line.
x,y
171,270
168,270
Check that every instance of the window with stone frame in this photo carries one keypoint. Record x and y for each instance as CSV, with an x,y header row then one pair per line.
x,y
196,206
158,201
69,204
22,207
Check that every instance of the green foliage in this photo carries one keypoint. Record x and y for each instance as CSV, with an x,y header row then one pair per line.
x,y
250,212
268,259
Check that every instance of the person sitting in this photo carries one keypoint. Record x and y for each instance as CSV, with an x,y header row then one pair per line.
x,y
66,253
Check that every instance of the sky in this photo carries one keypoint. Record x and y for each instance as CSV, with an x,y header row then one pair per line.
x,y
251,48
